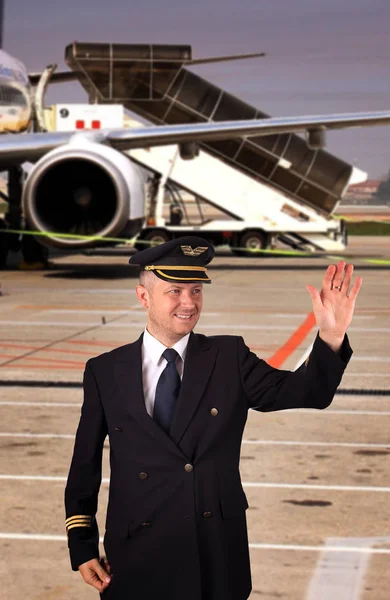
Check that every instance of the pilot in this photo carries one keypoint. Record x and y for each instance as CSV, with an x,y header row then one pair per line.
x,y
174,404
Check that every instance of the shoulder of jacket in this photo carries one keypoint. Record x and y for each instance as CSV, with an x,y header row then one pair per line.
x,y
110,356
221,341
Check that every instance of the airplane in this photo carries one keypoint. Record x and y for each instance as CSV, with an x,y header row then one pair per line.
x,y
91,164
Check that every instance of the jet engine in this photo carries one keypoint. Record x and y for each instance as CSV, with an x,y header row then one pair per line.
x,y
84,189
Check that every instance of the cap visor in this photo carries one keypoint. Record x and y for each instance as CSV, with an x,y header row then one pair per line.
x,y
182,276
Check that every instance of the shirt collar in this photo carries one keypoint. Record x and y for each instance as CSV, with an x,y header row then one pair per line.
x,y
154,348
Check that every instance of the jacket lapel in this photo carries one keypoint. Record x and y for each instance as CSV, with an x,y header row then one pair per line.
x,y
129,392
199,364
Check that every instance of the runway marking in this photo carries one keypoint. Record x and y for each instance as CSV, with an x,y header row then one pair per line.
x,y
310,486
94,343
39,367
246,484
373,413
37,348
340,573
365,375
237,327
300,548
253,442
58,361
139,310
324,444
101,311
44,404
282,354
4,535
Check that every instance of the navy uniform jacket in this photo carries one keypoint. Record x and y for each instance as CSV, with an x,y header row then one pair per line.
x,y
176,525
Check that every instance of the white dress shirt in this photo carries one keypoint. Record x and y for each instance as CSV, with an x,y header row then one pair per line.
x,y
153,364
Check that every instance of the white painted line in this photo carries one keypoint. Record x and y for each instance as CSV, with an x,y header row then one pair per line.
x,y
313,411
309,411
327,411
42,404
324,444
346,374
366,359
69,436
303,357
121,325
340,574
60,436
307,486
236,327
369,329
103,311
294,547
248,484
32,537
59,478
319,548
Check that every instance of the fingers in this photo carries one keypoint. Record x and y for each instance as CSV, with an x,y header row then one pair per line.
x,y
347,278
356,288
315,296
106,565
328,277
338,277
95,574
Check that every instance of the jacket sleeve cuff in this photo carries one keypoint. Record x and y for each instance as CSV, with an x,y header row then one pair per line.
x,y
83,546
342,357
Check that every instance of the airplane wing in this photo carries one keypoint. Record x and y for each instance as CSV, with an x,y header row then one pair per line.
x,y
31,146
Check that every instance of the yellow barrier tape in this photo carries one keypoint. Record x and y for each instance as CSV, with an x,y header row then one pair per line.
x,y
96,238
361,220
131,241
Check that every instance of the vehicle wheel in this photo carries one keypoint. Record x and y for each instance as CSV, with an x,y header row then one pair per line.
x,y
154,237
250,241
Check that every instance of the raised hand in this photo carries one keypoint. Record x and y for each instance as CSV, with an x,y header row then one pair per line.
x,y
333,307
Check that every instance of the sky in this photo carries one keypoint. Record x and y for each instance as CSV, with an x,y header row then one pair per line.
x,y
322,57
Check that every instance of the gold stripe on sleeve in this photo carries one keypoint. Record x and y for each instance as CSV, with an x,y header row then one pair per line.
x,y
77,525
77,517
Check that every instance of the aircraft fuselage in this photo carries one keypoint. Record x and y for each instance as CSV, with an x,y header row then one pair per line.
x,y
15,95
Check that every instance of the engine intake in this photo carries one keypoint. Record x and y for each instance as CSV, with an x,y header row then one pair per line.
x,y
88,190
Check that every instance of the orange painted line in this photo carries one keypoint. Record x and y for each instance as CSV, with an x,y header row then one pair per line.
x,y
40,367
282,354
71,307
58,361
38,349
82,343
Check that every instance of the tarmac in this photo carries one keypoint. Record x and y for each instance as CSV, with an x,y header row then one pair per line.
x,y
317,482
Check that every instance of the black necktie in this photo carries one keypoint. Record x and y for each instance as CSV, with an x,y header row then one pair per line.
x,y
167,391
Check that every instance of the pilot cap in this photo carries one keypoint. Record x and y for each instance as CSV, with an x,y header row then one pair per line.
x,y
182,260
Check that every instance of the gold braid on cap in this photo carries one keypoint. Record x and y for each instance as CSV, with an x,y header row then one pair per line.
x,y
174,268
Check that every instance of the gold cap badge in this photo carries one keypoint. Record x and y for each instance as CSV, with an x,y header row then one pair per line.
x,y
189,251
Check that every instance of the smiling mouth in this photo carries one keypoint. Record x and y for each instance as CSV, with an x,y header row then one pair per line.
x,y
184,317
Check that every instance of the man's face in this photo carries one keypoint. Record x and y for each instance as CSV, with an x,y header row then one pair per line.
x,y
173,308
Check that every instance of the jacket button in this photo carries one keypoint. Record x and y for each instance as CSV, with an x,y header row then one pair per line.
x,y
189,468
214,412
143,475
118,429
207,514
146,524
